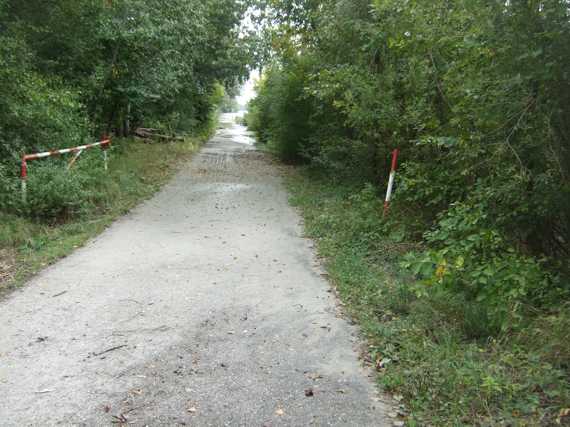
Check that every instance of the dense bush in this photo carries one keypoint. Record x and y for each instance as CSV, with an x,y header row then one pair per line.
x,y
280,114
57,194
477,263
36,111
441,350
54,192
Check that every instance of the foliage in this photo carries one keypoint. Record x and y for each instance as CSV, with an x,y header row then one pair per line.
x,y
36,112
56,194
476,95
281,112
442,353
471,259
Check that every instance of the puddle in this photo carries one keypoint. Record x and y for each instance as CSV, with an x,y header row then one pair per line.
x,y
231,129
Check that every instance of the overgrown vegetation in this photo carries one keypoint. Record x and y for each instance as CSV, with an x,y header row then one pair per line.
x,y
437,350
476,95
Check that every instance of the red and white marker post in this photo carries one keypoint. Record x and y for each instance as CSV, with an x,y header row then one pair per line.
x,y
391,181
105,144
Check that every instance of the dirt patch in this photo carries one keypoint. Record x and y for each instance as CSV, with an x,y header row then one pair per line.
x,y
7,265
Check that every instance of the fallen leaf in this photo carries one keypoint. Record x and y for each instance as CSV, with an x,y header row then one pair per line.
x,y
192,410
309,392
280,412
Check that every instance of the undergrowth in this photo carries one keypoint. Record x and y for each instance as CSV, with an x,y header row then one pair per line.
x,y
447,358
66,208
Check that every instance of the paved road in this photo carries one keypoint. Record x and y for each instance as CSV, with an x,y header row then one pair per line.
x,y
203,307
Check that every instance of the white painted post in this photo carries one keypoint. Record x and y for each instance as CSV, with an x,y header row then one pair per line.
x,y
391,181
24,191
23,178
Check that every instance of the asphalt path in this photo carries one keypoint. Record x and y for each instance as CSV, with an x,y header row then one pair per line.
x,y
205,306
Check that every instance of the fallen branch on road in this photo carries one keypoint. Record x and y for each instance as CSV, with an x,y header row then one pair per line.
x,y
109,350
148,134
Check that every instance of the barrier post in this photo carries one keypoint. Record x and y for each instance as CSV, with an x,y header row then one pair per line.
x,y
76,150
391,181
104,147
23,178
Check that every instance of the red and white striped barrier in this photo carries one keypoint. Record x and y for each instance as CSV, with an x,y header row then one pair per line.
x,y
391,181
105,144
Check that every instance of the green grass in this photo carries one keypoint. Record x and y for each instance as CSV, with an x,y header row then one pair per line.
x,y
440,356
136,171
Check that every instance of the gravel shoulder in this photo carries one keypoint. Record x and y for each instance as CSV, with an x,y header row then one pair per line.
x,y
205,306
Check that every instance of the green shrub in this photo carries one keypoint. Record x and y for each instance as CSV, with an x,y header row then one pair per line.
x,y
447,354
472,260
281,113
55,193
36,112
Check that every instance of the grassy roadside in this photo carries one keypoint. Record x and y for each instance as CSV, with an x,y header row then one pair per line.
x,y
136,171
423,347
